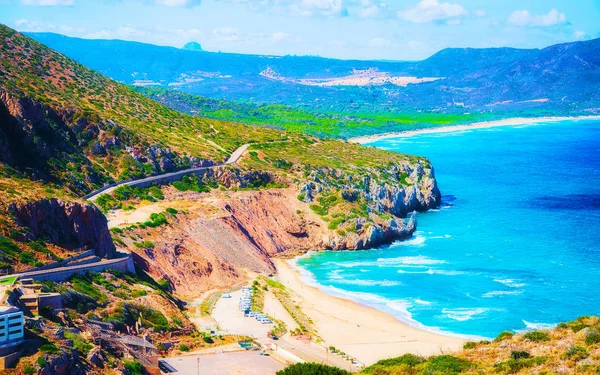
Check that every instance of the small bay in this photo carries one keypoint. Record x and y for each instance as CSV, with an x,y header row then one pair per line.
x,y
515,244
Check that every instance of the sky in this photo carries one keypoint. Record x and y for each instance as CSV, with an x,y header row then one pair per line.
x,y
347,29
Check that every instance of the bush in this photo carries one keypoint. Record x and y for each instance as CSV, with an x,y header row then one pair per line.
x,y
8,247
576,353
41,362
311,369
592,338
537,336
515,365
470,345
48,348
184,348
29,370
172,211
407,360
504,335
134,367
519,354
447,364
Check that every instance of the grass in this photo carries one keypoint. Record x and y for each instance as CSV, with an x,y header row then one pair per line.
x,y
8,280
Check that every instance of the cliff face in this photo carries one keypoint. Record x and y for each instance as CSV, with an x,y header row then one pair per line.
x,y
65,224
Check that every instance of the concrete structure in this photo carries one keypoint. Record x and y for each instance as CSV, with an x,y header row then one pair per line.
x,y
11,328
123,263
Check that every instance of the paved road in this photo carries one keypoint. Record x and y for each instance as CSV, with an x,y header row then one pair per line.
x,y
234,158
237,363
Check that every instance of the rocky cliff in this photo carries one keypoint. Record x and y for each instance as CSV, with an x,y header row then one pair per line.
x,y
66,224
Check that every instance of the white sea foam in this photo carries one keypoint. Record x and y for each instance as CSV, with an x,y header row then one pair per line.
x,y
534,326
418,260
432,271
421,302
497,293
463,314
396,308
513,283
369,282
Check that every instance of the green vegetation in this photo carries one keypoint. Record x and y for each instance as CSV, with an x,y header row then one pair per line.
x,y
311,369
537,336
79,343
326,123
134,367
504,335
592,337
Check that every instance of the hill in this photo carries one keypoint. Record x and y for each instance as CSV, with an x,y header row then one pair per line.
x,y
71,130
504,81
66,130
570,348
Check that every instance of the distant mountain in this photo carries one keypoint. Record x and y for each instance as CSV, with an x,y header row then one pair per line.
x,y
192,46
558,79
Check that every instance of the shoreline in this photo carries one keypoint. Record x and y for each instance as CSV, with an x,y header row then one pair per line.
x,y
515,121
363,332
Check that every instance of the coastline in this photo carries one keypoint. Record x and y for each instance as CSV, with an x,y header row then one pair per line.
x,y
361,331
516,121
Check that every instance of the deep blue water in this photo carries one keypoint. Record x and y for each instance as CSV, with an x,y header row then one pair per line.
x,y
515,244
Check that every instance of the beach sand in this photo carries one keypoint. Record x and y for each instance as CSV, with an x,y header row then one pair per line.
x,y
364,333
477,125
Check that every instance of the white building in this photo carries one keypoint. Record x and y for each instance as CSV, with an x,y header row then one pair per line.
x,y
11,326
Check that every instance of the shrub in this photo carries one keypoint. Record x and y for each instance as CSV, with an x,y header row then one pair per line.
x,y
504,335
576,353
311,369
537,336
184,348
447,364
172,211
592,338
29,370
407,360
41,362
134,367
515,365
519,354
48,348
470,345
8,247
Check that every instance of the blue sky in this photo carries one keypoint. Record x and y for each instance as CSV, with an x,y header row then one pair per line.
x,y
363,29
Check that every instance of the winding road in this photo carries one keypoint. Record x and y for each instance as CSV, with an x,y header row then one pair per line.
x,y
234,158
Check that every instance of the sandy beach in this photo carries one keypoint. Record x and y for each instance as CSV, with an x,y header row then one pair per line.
x,y
365,333
477,125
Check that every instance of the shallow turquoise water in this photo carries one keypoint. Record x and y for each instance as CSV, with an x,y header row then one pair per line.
x,y
515,244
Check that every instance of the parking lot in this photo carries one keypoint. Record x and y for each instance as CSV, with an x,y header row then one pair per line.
x,y
236,363
231,320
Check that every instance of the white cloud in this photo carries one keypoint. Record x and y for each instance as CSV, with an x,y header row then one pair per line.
x,y
379,42
279,36
372,9
225,34
432,10
320,7
178,3
525,18
480,13
48,3
579,35
21,22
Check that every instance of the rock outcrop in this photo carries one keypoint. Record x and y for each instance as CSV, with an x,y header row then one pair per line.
x,y
66,224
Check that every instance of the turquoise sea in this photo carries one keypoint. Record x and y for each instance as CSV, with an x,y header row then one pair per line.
x,y
514,246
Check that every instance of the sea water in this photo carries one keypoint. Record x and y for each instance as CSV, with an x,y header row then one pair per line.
x,y
514,246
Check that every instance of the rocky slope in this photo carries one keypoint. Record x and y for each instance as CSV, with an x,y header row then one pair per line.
x,y
69,225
